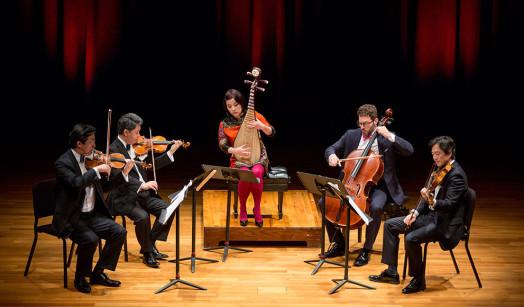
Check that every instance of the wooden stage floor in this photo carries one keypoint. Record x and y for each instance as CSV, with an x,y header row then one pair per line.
x,y
269,276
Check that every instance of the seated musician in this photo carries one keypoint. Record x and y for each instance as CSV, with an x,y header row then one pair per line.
x,y
138,197
81,213
388,188
439,216
227,132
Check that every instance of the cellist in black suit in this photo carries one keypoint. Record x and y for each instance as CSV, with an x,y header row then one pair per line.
x,y
439,216
137,196
387,144
81,212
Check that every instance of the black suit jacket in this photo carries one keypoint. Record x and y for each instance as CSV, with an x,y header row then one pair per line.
x,y
123,197
449,207
70,193
349,142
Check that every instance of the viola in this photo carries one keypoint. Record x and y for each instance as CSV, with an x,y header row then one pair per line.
x,y
160,143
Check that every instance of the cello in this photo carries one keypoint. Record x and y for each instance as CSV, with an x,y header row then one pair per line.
x,y
363,169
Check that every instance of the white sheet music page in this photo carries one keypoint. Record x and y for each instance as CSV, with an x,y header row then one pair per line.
x,y
366,218
175,202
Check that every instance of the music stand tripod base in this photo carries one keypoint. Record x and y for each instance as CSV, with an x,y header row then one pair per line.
x,y
226,246
173,282
177,279
311,184
193,258
343,281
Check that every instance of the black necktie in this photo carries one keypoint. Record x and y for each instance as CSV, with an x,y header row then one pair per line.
x,y
128,147
82,158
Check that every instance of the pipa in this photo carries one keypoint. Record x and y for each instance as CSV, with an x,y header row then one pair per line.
x,y
250,136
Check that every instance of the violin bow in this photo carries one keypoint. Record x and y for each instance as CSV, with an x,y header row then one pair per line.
x,y
152,153
109,112
428,181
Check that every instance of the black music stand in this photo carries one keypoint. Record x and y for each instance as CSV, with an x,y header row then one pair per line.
x,y
198,183
337,188
229,175
172,282
317,185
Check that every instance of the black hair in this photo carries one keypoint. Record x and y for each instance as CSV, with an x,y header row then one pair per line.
x,y
80,132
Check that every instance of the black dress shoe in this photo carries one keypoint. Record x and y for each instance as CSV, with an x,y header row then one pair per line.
x,y
158,255
385,277
362,258
335,250
243,223
415,285
150,261
104,280
259,224
82,285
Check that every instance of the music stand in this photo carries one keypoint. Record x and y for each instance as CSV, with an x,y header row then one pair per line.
x,y
197,184
335,188
203,178
338,189
317,185
229,174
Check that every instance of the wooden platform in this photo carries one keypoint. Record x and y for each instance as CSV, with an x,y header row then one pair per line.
x,y
300,224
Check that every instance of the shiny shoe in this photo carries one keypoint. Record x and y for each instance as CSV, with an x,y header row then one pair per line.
x,y
150,261
104,280
336,250
415,285
259,224
158,255
385,277
243,223
82,285
362,258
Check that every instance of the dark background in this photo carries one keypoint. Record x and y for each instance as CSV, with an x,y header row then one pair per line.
x,y
450,67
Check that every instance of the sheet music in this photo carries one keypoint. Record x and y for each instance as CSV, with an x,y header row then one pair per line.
x,y
334,186
176,200
366,218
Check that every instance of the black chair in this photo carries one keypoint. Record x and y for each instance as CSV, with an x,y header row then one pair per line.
x,y
469,208
276,180
125,238
43,206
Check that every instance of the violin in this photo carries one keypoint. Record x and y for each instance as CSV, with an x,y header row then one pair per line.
x,y
438,176
116,160
160,143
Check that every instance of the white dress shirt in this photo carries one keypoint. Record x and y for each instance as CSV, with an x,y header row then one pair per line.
x,y
89,200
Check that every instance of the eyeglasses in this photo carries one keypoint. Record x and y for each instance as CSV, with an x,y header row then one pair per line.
x,y
364,124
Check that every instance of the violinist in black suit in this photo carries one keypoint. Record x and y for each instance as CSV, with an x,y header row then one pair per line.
x,y
137,197
388,188
81,213
439,216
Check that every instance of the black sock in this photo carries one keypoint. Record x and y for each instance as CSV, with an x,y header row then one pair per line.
x,y
392,269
